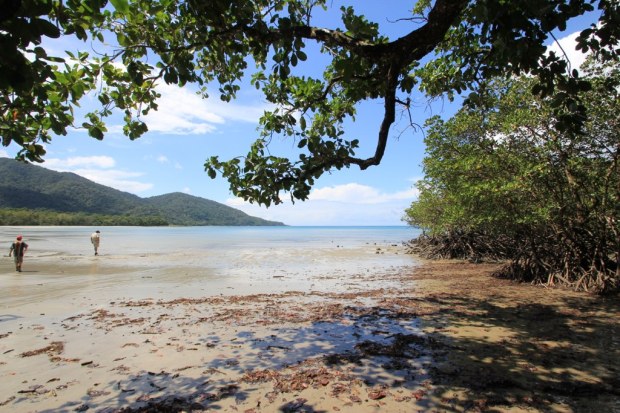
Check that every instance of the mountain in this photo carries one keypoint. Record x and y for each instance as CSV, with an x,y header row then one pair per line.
x,y
33,187
180,207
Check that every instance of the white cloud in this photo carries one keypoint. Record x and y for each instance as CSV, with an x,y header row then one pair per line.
x,y
358,194
353,193
566,47
181,111
162,159
350,204
76,161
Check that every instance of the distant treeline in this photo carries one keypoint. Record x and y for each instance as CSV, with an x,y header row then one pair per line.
x,y
23,216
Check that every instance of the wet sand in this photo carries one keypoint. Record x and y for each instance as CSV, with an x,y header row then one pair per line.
x,y
442,336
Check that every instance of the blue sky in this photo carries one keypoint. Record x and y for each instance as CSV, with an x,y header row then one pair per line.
x,y
187,130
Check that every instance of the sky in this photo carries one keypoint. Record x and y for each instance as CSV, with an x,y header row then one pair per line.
x,y
187,130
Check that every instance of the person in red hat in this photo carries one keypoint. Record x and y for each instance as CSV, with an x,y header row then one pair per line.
x,y
18,249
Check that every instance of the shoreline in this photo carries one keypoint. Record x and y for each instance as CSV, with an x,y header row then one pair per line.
x,y
443,335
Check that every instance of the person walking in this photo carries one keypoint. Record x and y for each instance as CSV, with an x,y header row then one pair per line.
x,y
18,249
95,237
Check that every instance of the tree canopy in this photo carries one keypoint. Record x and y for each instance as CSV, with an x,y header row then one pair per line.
x,y
502,182
451,48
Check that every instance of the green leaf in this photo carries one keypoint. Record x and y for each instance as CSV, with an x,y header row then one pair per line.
x,y
121,6
96,133
45,28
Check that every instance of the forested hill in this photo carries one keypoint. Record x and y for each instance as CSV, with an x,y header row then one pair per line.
x,y
43,192
182,208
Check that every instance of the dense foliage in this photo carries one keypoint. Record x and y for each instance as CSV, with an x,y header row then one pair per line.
x,y
449,47
25,216
502,182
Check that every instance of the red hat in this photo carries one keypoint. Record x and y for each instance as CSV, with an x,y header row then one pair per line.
x,y
19,237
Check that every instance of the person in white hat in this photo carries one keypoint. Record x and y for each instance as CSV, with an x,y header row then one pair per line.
x,y
18,249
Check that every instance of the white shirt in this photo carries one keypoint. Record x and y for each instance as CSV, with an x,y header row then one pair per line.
x,y
94,238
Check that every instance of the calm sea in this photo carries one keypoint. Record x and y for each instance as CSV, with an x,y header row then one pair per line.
x,y
175,261
128,240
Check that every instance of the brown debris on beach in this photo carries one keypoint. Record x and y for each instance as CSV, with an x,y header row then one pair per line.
x,y
449,338
53,349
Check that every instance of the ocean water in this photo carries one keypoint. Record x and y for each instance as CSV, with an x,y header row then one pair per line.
x,y
167,262
72,241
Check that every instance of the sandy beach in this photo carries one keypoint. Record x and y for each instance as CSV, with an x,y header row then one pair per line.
x,y
431,336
